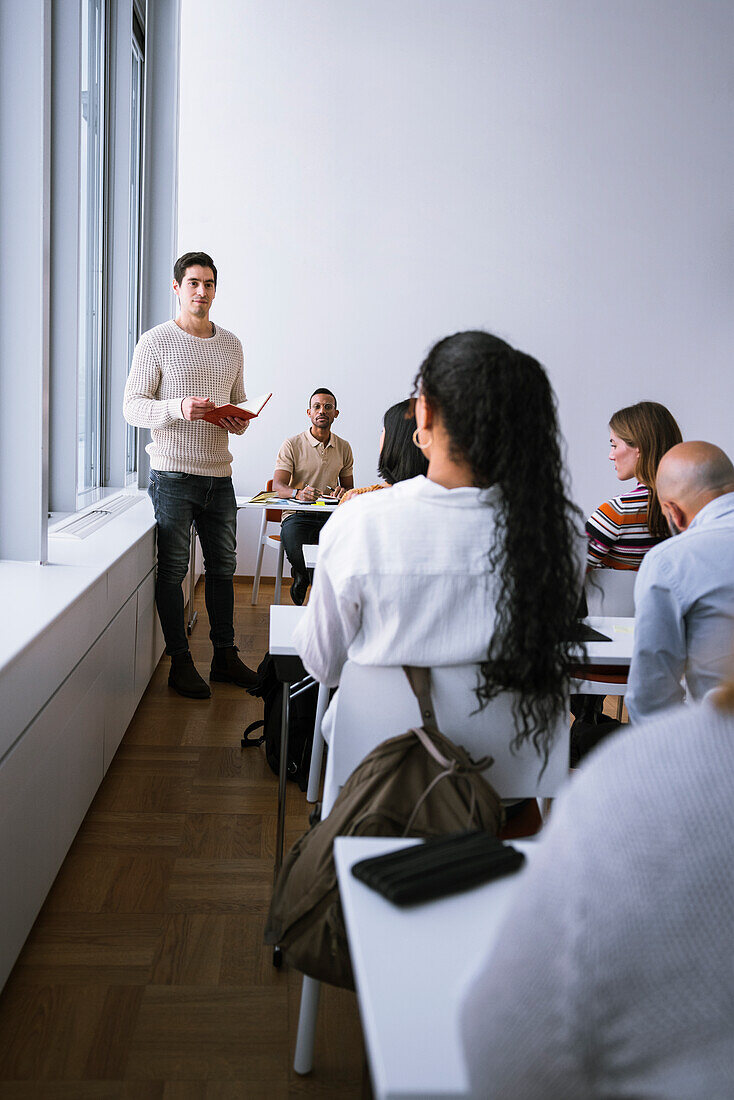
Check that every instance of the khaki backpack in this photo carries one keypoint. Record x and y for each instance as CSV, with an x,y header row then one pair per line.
x,y
418,784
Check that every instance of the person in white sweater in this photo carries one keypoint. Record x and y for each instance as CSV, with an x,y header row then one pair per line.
x,y
613,974
180,370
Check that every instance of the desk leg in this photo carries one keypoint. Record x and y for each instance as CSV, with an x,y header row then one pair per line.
x,y
282,779
193,615
280,830
317,752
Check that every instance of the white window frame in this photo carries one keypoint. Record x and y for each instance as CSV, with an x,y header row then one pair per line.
x,y
92,223
137,146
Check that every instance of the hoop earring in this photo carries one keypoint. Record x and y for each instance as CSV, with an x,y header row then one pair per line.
x,y
416,440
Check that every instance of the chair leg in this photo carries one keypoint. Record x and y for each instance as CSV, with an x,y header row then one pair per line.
x,y
258,567
620,704
306,1038
317,751
279,572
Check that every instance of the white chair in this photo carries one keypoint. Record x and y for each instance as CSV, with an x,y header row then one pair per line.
x,y
374,703
611,592
266,538
310,554
608,592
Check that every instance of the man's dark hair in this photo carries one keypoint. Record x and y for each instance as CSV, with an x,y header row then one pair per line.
x,y
322,389
400,459
192,259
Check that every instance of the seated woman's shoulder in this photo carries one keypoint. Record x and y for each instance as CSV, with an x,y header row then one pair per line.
x,y
633,501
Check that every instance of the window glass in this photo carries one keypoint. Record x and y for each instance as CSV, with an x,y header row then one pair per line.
x,y
91,252
133,301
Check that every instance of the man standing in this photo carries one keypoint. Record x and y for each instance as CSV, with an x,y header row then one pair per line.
x,y
180,370
684,593
314,463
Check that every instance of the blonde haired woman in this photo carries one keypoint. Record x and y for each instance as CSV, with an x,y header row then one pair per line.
x,y
622,530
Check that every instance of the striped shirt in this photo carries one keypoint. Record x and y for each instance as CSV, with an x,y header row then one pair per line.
x,y
617,532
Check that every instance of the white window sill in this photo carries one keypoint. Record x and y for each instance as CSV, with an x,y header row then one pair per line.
x,y
35,596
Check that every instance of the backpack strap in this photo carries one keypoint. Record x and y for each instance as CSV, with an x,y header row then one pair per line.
x,y
250,742
420,681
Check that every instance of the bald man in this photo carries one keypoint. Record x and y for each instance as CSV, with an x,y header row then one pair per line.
x,y
684,593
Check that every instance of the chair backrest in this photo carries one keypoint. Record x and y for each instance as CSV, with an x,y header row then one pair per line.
x,y
374,703
272,515
611,592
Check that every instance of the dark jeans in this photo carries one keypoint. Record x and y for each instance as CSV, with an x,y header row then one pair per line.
x,y
209,502
296,531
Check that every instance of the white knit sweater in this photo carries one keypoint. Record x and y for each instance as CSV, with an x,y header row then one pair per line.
x,y
614,973
168,365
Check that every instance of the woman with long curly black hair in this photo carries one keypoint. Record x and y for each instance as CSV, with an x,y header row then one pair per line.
x,y
477,561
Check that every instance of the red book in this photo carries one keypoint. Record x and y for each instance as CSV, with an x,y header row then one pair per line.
x,y
246,411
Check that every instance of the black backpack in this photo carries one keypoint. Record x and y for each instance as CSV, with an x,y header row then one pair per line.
x,y
302,715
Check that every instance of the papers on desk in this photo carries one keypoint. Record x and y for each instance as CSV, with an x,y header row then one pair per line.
x,y
269,496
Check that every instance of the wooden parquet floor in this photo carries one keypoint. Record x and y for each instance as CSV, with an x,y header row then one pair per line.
x,y
145,976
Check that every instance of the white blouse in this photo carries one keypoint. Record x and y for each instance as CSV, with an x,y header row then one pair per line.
x,y
403,577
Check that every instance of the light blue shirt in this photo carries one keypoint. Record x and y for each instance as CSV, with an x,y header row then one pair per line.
x,y
684,613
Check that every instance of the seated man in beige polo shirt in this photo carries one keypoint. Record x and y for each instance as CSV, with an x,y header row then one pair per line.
x,y
309,465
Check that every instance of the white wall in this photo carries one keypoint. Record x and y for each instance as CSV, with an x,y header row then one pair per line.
x,y
371,175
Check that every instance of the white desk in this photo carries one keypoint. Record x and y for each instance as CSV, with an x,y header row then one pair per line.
x,y
411,968
619,650
246,502
277,506
242,502
286,505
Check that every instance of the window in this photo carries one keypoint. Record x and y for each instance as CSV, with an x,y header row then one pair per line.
x,y
91,250
136,174
89,273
